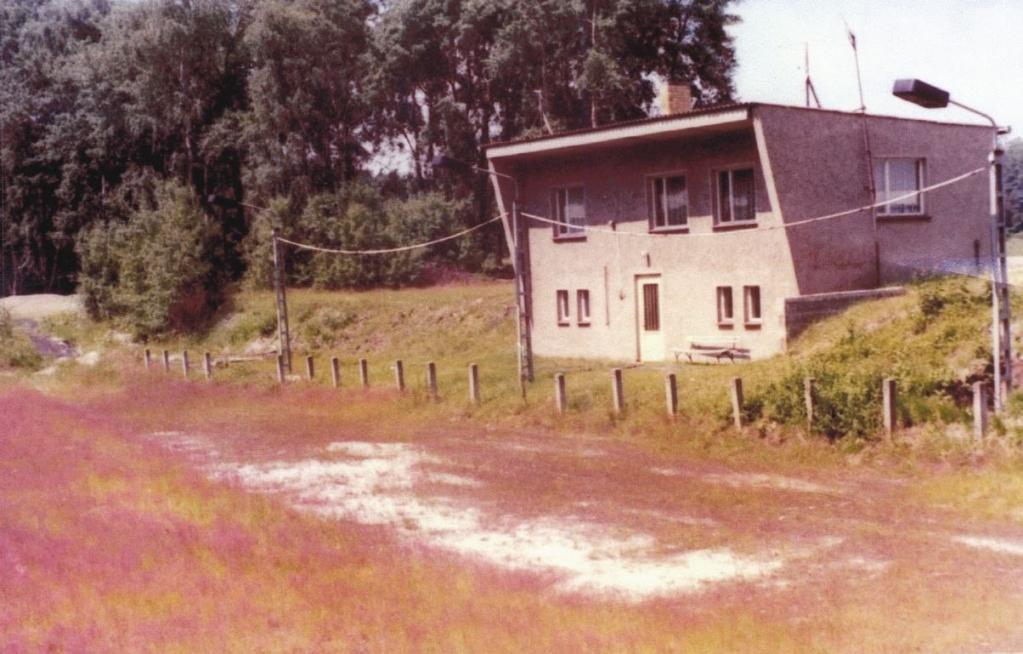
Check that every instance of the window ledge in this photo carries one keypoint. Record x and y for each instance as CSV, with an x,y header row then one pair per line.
x,y
569,237
903,217
731,226
584,324
754,325
675,229
564,323
726,325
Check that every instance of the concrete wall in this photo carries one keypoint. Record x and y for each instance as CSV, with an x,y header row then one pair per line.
x,y
691,265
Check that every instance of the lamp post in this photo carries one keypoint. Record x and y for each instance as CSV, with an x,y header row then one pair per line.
x,y
931,97
515,237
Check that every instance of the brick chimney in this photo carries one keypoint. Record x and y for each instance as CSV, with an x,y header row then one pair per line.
x,y
676,99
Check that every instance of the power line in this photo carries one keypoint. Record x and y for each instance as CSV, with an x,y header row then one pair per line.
x,y
403,248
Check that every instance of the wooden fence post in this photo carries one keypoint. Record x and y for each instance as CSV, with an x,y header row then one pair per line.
x,y
617,392
671,394
888,417
335,372
431,380
736,388
184,363
559,392
280,369
148,359
474,383
207,366
980,414
808,399
310,367
399,376
166,361
364,373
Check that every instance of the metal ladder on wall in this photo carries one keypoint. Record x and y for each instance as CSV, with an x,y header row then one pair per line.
x,y
1001,319
523,295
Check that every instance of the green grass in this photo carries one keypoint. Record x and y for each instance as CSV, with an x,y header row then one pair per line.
x,y
933,340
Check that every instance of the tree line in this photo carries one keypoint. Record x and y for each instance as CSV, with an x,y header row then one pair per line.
x,y
206,111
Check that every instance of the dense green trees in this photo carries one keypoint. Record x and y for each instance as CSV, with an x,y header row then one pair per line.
x,y
250,103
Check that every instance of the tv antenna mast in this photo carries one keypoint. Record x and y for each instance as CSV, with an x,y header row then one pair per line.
x,y
810,90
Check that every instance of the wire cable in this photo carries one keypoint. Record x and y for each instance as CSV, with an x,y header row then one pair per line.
x,y
403,248
797,223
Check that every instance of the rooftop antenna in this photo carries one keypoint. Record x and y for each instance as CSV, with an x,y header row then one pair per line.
x,y
810,90
856,58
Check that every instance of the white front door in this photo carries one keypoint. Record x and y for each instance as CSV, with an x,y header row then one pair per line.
x,y
648,318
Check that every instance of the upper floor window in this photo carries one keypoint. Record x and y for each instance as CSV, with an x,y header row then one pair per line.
x,y
669,202
568,208
899,178
736,196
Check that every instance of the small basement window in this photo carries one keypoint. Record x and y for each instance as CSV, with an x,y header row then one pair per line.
x,y
669,202
563,314
582,308
726,310
568,208
736,201
751,304
896,178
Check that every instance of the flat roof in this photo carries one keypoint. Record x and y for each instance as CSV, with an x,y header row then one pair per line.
x,y
704,119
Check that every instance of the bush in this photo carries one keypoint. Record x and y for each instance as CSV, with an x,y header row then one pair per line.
x,y
16,349
157,272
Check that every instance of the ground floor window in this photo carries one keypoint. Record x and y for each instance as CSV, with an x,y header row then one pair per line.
x,y
726,311
563,313
582,306
751,303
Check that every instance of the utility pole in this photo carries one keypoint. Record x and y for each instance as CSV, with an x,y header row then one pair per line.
x,y
522,296
283,336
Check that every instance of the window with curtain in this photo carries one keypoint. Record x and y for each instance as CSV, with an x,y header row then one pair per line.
x,y
736,196
899,178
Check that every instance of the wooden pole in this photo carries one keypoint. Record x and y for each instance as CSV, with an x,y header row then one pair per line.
x,y
671,394
148,359
184,363
283,333
310,367
431,380
207,366
888,416
474,383
560,402
364,373
280,369
736,388
335,372
166,361
980,413
809,395
617,392
399,376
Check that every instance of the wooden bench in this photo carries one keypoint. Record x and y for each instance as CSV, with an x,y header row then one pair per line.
x,y
716,348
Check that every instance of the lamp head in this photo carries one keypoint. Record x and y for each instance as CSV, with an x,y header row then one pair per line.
x,y
920,93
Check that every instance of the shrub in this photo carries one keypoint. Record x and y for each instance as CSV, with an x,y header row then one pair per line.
x,y
156,272
16,349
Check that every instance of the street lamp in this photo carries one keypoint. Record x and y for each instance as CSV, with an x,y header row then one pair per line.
x,y
515,237
931,97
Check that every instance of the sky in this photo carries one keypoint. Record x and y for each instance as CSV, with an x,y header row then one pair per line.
x,y
971,48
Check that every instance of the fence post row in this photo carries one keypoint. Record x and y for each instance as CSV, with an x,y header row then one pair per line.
x,y
431,380
280,369
474,383
888,416
736,387
335,372
364,373
671,394
399,376
980,415
148,359
617,392
166,360
207,366
184,363
310,368
559,392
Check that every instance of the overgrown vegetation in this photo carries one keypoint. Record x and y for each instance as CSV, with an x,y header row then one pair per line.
x,y
16,349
